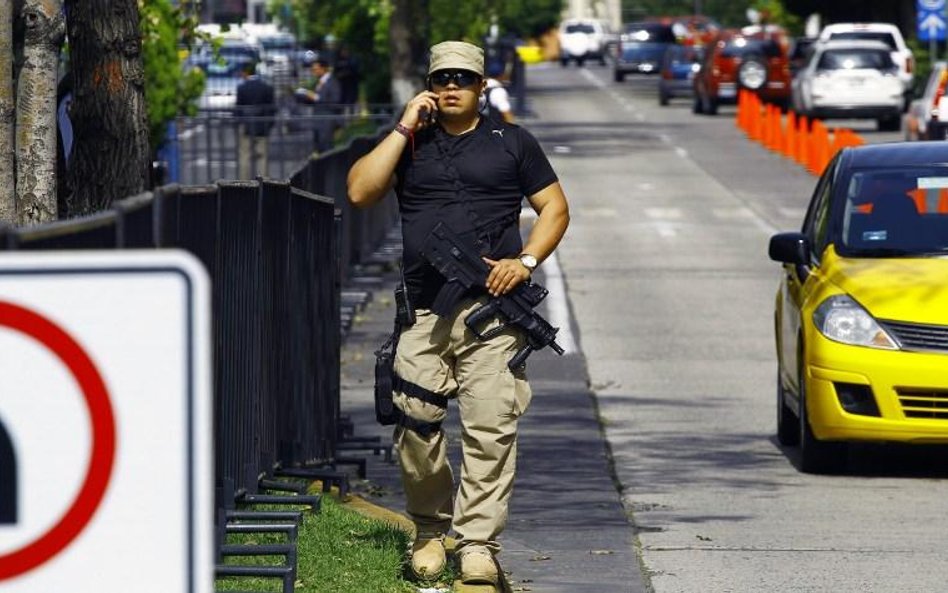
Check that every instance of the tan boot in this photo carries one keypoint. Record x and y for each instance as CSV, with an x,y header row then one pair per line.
x,y
427,557
478,566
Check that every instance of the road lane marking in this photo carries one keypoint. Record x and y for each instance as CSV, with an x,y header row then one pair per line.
x,y
739,213
664,229
794,213
664,213
557,305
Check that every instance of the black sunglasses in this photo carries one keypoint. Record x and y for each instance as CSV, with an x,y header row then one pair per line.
x,y
462,78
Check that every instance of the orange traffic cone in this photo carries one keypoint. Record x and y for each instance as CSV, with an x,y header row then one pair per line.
x,y
803,141
761,111
741,109
789,148
819,155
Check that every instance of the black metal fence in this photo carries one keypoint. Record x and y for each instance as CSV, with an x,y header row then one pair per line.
x,y
277,253
220,144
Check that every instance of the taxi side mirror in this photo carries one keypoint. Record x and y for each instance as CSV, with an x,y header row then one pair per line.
x,y
790,248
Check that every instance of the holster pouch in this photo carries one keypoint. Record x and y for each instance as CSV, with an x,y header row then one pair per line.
x,y
385,411
404,312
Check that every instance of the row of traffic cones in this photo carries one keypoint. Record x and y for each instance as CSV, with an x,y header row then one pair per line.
x,y
808,142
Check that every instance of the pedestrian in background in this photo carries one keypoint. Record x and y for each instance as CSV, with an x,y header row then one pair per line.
x,y
496,99
256,109
326,99
448,164
346,71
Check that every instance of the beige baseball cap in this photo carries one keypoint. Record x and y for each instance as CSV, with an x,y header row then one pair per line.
x,y
451,55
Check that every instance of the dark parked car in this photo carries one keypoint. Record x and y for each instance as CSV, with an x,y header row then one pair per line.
x,y
641,48
678,69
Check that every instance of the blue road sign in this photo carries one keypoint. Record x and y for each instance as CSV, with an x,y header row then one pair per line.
x,y
931,20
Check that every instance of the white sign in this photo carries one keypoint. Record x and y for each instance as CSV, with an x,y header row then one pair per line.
x,y
105,423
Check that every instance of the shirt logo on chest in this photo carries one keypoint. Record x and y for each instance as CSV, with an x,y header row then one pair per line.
x,y
498,132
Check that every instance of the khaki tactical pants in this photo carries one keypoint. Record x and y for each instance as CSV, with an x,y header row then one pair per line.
x,y
443,356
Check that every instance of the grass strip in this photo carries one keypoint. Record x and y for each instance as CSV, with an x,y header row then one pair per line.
x,y
340,551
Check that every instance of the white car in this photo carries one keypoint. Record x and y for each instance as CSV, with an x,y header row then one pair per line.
x,y
927,116
850,79
886,33
583,39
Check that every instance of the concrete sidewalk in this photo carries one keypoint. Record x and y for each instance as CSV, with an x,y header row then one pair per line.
x,y
567,531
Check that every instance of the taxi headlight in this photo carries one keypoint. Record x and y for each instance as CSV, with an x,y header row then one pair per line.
x,y
842,319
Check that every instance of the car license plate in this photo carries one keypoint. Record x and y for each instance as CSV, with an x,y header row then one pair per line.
x,y
727,92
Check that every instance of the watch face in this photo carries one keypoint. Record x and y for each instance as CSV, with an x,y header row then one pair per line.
x,y
528,261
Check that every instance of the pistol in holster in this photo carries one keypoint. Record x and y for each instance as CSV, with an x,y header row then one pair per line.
x,y
385,411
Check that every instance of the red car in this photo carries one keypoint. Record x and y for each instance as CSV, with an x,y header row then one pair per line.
x,y
754,58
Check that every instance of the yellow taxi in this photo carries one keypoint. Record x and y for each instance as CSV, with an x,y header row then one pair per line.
x,y
861,314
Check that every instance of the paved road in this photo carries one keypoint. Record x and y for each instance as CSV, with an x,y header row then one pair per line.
x,y
672,293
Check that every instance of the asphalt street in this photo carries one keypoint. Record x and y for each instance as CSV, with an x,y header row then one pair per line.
x,y
668,277
648,460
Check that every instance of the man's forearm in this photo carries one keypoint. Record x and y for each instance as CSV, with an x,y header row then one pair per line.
x,y
547,231
371,176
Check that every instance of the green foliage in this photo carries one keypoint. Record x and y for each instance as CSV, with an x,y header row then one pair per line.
x,y
360,25
470,20
168,90
528,18
921,50
773,11
363,27
727,12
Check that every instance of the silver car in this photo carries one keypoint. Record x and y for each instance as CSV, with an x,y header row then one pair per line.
x,y
850,79
927,116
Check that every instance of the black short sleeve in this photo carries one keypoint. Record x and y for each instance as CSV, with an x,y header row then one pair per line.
x,y
536,173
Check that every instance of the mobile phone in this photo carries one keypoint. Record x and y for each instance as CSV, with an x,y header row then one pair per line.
x,y
428,116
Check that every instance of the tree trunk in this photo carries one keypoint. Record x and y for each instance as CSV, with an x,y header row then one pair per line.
x,y
110,158
404,51
7,115
36,111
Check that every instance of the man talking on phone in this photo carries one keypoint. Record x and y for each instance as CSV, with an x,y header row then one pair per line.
x,y
447,163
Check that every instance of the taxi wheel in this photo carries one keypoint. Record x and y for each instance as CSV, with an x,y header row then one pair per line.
x,y
788,431
816,456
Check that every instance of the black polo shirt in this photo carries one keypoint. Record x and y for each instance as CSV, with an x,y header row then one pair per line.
x,y
475,183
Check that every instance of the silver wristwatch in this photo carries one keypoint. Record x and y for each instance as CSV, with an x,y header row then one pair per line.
x,y
528,261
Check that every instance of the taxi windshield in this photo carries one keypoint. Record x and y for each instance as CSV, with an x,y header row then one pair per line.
x,y
896,213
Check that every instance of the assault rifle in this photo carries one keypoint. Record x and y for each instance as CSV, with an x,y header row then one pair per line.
x,y
464,269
